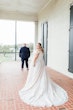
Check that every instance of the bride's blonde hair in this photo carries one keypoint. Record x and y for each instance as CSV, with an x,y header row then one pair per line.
x,y
41,47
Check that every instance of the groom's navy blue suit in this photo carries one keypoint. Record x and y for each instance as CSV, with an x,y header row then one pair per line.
x,y
24,54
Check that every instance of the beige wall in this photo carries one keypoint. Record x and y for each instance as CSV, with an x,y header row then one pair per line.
x,y
57,13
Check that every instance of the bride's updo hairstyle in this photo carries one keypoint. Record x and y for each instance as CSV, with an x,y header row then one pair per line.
x,y
41,47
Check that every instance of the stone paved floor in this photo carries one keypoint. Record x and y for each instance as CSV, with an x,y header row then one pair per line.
x,y
12,79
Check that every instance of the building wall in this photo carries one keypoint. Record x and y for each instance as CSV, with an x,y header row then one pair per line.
x,y
57,13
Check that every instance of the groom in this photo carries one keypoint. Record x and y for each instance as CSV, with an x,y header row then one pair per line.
x,y
24,54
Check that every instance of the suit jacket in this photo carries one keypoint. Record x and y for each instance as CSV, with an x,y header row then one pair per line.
x,y
24,52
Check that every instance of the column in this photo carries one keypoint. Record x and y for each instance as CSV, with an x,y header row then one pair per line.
x,y
36,33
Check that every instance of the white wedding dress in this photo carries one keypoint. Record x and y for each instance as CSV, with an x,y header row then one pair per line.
x,y
40,90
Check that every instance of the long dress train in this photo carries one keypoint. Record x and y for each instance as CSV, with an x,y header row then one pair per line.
x,y
39,89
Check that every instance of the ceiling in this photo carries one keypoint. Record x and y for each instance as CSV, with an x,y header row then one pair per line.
x,y
29,7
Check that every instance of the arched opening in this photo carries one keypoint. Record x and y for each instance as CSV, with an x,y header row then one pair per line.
x,y
13,34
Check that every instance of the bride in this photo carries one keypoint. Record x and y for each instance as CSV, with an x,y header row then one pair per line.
x,y
39,89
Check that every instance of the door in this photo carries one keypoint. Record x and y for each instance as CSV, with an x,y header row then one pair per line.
x,y
71,41
45,40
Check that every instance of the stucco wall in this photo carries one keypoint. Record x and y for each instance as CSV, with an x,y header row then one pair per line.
x,y
57,13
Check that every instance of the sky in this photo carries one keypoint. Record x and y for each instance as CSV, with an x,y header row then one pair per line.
x,y
25,32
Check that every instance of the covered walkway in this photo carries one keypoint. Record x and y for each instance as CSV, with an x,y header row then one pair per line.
x,y
12,79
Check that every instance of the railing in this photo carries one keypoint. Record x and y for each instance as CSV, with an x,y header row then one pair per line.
x,y
10,56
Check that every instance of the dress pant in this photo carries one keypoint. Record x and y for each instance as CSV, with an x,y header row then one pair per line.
x,y
26,61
